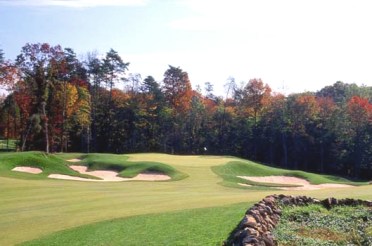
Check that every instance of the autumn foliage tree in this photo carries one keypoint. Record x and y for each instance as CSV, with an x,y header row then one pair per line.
x,y
58,102
177,89
360,114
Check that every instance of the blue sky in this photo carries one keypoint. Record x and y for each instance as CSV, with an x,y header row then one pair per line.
x,y
292,45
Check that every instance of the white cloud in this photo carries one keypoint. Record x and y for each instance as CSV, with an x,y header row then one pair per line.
x,y
74,3
299,45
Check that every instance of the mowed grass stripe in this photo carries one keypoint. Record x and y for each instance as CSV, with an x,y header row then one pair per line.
x,y
207,226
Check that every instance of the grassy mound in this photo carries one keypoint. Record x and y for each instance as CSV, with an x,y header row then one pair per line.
x,y
56,164
49,164
120,163
207,226
232,169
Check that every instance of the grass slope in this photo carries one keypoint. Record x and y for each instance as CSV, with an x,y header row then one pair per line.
x,y
56,164
232,169
35,208
48,163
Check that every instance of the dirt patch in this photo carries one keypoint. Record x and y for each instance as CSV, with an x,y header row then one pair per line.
x,y
111,176
33,170
74,160
302,183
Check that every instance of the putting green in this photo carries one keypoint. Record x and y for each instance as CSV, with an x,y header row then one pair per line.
x,y
32,208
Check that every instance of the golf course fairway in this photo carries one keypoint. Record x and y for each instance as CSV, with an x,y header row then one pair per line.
x,y
202,192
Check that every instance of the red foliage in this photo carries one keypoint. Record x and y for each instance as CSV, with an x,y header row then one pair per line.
x,y
359,109
8,75
326,106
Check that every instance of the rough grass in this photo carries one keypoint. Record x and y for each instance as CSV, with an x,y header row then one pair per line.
x,y
232,169
315,225
33,208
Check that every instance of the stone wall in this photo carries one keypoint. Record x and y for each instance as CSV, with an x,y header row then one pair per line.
x,y
258,222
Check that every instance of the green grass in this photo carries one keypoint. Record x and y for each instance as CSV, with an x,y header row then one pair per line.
x,y
33,207
232,169
315,225
56,164
48,163
206,226
128,169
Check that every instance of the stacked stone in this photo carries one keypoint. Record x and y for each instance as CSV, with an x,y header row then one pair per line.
x,y
331,202
258,222
296,200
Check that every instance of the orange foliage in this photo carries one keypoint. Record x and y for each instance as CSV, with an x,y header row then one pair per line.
x,y
210,105
326,106
307,106
120,98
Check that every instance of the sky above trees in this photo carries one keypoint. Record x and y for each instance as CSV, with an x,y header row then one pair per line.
x,y
291,45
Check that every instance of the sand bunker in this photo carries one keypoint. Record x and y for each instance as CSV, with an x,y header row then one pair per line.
x,y
103,174
151,177
68,177
33,170
74,160
302,183
108,175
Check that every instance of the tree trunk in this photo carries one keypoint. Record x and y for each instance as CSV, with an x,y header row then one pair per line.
x,y
358,155
88,139
285,150
25,137
43,105
7,130
321,157
62,137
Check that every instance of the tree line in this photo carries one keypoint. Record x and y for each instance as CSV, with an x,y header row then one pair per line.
x,y
58,103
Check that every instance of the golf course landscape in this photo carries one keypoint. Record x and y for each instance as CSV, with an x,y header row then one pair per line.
x,y
200,204
185,123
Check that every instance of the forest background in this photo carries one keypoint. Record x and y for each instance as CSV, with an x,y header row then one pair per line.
x,y
59,103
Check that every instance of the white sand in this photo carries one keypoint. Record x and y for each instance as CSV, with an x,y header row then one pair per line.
x,y
302,183
33,170
108,175
151,177
68,177
103,174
